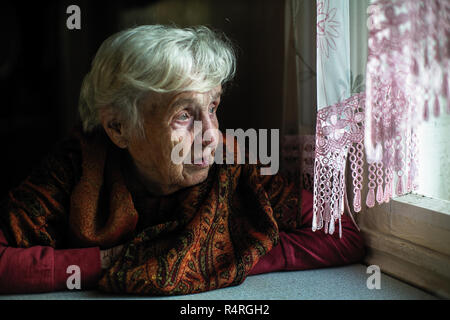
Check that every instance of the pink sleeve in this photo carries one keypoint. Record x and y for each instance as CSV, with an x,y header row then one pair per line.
x,y
305,249
43,269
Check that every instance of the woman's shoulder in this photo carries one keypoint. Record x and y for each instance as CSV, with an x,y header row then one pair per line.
x,y
64,161
72,144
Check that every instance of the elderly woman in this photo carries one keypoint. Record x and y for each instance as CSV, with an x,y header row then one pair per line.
x,y
111,201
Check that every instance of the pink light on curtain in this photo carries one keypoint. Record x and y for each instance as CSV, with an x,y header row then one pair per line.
x,y
407,82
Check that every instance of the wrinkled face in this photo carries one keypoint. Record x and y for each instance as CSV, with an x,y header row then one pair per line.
x,y
174,120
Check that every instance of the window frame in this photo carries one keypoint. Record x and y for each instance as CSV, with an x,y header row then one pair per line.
x,y
406,239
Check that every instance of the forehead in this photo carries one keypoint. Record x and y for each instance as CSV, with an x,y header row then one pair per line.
x,y
195,97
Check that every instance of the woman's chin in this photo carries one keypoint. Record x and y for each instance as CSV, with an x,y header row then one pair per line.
x,y
195,174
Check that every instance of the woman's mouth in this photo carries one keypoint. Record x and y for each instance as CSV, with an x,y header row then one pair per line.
x,y
203,160
200,163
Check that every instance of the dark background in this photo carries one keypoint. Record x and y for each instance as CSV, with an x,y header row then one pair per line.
x,y
42,64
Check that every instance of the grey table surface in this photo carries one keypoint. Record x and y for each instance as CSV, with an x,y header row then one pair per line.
x,y
339,283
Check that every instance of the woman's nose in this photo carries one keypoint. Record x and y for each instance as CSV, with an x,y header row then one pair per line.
x,y
209,131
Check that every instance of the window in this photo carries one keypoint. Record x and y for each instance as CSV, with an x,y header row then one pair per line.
x,y
434,158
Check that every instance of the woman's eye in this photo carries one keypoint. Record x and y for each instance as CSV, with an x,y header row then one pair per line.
x,y
212,109
183,117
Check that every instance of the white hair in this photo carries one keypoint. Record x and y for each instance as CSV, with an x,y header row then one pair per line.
x,y
153,58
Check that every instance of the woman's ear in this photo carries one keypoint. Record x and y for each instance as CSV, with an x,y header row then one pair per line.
x,y
114,127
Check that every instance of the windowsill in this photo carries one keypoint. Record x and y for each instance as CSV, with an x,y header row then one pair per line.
x,y
431,205
421,220
407,238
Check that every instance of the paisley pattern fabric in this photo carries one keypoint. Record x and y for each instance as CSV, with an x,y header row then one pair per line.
x,y
200,238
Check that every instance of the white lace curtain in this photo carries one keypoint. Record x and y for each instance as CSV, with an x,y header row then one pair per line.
x,y
341,58
382,68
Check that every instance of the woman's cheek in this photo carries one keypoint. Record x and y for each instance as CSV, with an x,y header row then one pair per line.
x,y
181,141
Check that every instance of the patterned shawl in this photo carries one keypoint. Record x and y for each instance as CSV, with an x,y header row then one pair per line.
x,y
200,238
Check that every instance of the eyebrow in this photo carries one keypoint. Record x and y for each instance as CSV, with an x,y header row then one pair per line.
x,y
191,101
182,101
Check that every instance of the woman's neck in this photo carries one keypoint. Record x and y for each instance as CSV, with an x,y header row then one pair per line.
x,y
143,184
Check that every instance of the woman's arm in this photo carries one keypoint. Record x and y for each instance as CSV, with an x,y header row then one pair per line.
x,y
34,221
303,248
44,269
